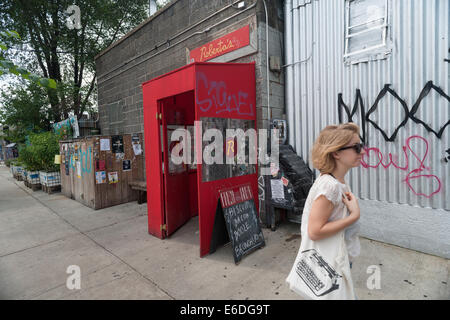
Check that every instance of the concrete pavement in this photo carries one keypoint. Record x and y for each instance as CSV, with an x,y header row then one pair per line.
x,y
42,235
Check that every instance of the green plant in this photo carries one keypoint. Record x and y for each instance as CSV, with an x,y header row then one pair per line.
x,y
24,109
40,154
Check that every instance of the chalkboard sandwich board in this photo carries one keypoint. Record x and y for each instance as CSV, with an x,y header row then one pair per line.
x,y
239,212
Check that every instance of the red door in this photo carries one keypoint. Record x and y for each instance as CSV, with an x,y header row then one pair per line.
x,y
176,177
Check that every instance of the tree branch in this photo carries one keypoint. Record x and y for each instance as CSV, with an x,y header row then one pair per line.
x,y
83,105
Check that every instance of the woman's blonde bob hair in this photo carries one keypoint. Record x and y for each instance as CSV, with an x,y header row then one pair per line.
x,y
330,140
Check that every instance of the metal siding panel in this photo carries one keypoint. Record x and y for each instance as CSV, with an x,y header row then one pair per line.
x,y
420,41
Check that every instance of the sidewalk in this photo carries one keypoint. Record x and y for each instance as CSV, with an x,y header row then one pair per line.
x,y
42,235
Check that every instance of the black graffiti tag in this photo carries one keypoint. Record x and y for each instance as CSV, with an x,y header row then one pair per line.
x,y
365,118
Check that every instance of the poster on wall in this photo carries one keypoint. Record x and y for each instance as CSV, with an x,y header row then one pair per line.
x,y
79,169
135,138
100,165
277,188
76,152
100,177
136,143
126,165
117,144
104,145
113,177
137,149
71,122
120,156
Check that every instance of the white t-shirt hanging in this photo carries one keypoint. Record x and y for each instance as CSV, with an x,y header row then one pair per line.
x,y
333,190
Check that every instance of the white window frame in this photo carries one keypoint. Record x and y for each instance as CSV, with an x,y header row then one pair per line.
x,y
354,56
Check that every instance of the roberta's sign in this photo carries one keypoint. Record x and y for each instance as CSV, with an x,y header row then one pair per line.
x,y
230,42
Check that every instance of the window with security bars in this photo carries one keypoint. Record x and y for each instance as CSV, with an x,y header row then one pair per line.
x,y
366,29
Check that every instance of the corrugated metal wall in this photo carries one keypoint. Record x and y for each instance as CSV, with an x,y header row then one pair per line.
x,y
418,33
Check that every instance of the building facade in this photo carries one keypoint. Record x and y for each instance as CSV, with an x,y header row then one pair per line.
x,y
382,64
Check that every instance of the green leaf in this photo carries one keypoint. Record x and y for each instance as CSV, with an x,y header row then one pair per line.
x,y
6,64
52,83
13,70
3,46
14,34
44,82
24,73
9,34
33,78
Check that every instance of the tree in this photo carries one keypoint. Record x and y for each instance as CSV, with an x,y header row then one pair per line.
x,y
63,39
24,110
8,67
161,3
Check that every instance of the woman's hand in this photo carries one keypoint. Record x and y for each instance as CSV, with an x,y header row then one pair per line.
x,y
352,205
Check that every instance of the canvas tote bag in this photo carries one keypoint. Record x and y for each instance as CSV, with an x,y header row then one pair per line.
x,y
321,270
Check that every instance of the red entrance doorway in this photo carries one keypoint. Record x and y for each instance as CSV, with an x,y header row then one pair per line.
x,y
217,96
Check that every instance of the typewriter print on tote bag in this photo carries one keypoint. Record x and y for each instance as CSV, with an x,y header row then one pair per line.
x,y
316,273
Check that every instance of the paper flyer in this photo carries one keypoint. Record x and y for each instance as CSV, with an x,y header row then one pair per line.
x,y
126,165
104,145
137,148
113,177
100,177
277,189
78,169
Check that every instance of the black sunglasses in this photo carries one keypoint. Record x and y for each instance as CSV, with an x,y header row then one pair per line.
x,y
357,147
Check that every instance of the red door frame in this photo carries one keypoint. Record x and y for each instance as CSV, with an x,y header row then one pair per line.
x,y
176,199
222,90
154,90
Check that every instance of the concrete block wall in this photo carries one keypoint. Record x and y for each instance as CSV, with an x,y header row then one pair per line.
x,y
276,84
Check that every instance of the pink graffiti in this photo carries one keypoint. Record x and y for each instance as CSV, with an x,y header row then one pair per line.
x,y
414,173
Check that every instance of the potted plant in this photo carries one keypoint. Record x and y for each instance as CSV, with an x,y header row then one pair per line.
x,y
30,171
39,157
49,173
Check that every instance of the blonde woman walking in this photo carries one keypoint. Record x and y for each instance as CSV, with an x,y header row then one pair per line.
x,y
329,222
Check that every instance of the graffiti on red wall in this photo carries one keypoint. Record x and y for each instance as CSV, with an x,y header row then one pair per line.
x,y
216,95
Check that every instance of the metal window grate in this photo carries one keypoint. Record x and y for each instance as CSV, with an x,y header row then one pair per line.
x,y
364,32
